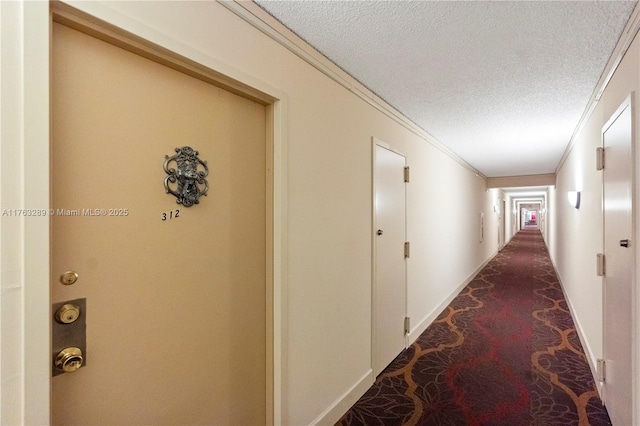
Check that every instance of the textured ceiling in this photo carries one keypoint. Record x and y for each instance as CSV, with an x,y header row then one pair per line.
x,y
503,84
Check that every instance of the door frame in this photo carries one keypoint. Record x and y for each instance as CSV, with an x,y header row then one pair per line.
x,y
377,142
629,102
29,181
503,223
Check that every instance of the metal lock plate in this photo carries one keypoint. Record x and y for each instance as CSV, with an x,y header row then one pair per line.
x,y
68,331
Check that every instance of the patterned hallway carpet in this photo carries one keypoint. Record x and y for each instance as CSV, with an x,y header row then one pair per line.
x,y
504,352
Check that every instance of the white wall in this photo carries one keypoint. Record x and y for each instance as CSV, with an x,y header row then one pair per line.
x,y
444,230
328,131
576,235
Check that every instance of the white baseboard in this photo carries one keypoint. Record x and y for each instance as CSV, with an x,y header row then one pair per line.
x,y
341,405
592,359
426,322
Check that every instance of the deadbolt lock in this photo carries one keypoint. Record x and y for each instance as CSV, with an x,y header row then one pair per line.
x,y
67,313
69,278
69,360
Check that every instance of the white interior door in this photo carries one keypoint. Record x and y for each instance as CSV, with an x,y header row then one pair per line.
x,y
175,296
503,224
390,265
618,292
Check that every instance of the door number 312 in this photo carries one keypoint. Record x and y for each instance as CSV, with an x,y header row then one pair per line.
x,y
173,214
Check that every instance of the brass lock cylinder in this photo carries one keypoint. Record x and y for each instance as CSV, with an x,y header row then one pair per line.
x,y
69,278
67,313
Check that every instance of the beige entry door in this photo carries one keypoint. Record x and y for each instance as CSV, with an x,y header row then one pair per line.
x,y
175,296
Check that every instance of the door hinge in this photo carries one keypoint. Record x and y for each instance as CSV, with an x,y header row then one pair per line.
x,y
407,174
599,158
600,266
407,325
601,370
407,250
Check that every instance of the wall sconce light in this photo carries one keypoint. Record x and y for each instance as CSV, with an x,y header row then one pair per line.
x,y
574,198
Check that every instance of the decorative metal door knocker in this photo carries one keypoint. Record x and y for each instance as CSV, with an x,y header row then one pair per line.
x,y
191,181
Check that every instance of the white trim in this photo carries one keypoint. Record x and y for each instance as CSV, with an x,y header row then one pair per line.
x,y
590,355
629,33
431,316
24,300
627,103
36,194
340,406
635,221
262,21
386,146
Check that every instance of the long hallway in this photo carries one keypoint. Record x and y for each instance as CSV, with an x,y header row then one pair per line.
x,y
505,351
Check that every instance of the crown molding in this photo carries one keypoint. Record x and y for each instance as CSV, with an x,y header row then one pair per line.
x,y
624,42
253,14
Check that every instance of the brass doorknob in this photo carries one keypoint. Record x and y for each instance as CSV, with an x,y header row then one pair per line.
x,y
69,360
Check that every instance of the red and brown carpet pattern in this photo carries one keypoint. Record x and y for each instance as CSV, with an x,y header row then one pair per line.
x,y
504,352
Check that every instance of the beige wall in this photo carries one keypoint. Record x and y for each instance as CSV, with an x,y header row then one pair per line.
x,y
327,340
576,235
